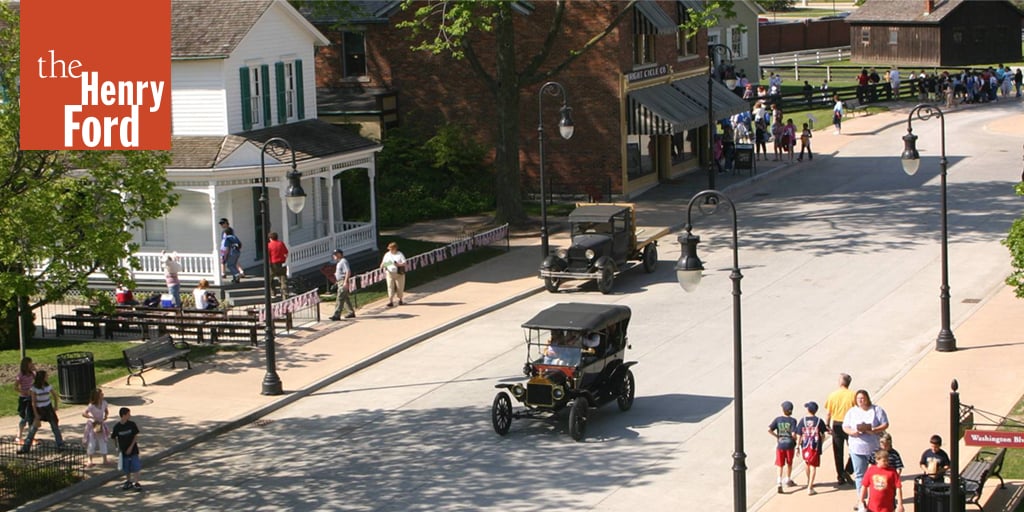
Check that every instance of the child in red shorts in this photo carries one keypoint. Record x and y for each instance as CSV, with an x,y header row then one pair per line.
x,y
783,429
810,437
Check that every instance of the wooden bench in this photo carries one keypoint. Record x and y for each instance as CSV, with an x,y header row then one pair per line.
x,y
154,353
92,324
234,328
986,464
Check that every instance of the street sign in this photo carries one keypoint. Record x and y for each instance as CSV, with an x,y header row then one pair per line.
x,y
994,438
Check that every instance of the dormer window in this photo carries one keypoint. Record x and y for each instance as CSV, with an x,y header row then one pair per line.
x,y
253,81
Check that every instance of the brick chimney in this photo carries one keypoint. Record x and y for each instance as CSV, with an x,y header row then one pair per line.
x,y
929,6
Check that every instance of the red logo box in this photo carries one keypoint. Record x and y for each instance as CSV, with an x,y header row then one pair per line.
x,y
95,75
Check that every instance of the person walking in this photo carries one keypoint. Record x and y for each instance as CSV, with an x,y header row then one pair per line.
x,y
96,431
233,250
837,114
783,429
278,254
44,408
171,269
23,385
393,265
863,423
836,405
810,437
342,274
126,432
789,138
805,143
881,490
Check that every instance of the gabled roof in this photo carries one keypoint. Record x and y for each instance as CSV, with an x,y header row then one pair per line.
x,y
902,11
353,12
212,29
312,138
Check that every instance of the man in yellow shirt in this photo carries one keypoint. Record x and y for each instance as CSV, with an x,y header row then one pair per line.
x,y
836,405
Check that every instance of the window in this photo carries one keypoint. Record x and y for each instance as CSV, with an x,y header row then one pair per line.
x,y
865,35
684,45
737,41
353,55
714,37
643,49
256,93
894,36
154,231
289,90
958,35
288,83
253,81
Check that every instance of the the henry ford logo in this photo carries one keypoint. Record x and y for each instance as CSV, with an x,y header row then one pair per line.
x,y
94,80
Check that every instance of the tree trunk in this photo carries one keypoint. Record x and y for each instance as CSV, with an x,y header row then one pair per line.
x,y
506,144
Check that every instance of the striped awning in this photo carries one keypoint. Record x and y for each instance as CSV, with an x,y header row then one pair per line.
x,y
649,18
679,106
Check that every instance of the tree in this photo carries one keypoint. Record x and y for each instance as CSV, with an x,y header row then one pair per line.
x,y
776,5
1014,241
65,214
453,27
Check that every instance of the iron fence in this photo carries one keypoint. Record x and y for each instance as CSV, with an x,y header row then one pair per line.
x,y
43,470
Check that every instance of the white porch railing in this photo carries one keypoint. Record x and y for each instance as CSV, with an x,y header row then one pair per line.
x,y
194,266
357,236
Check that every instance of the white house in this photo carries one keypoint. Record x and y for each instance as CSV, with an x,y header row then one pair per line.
x,y
242,72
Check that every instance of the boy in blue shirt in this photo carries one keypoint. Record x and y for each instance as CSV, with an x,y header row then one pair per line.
x,y
782,429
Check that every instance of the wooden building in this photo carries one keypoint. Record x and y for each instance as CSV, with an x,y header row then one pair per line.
x,y
935,32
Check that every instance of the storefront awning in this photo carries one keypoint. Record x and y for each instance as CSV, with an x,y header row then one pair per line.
x,y
656,16
679,106
725,103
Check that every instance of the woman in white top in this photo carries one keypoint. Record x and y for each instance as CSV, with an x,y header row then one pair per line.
x,y
863,423
200,295
393,265
96,431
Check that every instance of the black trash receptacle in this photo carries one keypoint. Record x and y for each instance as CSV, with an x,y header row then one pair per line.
x,y
931,496
745,158
77,375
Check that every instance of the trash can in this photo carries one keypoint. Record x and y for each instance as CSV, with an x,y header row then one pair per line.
x,y
77,375
931,496
745,158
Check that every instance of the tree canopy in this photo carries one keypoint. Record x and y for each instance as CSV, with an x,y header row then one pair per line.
x,y
66,214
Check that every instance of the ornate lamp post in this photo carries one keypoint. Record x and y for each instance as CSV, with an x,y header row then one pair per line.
x,y
689,270
295,198
945,342
721,51
566,129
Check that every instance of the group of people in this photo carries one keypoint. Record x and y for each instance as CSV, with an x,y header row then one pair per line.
x,y
852,419
759,127
393,264
38,402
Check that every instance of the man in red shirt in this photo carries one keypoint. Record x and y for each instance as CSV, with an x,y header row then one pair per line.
x,y
278,254
882,486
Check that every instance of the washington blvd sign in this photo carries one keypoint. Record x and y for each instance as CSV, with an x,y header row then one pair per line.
x,y
994,438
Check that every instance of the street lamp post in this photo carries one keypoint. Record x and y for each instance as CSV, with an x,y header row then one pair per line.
x,y
295,198
956,504
945,342
565,129
720,50
689,270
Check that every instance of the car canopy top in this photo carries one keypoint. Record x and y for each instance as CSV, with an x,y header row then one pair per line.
x,y
576,316
595,213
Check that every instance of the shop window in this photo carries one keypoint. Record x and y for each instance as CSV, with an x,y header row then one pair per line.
x,y
640,151
353,55
684,146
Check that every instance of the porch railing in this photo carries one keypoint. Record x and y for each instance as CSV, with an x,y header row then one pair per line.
x,y
356,237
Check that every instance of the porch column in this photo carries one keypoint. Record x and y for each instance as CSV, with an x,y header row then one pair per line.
x,y
330,210
371,172
211,192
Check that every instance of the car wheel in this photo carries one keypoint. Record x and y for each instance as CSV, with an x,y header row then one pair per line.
x,y
606,280
650,257
578,418
627,390
501,413
551,284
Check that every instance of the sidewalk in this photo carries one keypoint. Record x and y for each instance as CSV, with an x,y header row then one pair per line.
x,y
315,356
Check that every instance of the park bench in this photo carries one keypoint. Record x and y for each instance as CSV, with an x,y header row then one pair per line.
x,y
92,324
986,464
234,328
151,354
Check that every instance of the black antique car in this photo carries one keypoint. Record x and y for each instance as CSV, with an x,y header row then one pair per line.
x,y
605,241
574,361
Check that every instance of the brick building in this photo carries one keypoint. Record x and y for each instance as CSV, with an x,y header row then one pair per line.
x,y
639,97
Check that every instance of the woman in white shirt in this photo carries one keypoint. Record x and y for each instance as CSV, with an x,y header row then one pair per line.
x,y
393,265
863,423
200,294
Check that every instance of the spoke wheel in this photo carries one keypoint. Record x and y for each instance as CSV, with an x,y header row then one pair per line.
x,y
650,257
551,284
501,413
606,281
578,418
627,391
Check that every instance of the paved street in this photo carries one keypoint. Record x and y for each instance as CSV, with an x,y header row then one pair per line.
x,y
841,273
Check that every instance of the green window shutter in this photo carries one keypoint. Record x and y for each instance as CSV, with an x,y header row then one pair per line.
x,y
265,74
243,82
300,94
282,109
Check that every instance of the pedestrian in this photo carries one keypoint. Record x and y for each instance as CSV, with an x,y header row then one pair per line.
x,y
761,139
342,274
1018,77
837,114
96,431
934,460
805,143
393,264
811,436
808,93
171,269
836,405
224,224
233,250
863,423
881,487
204,297
44,408
777,142
126,432
23,385
783,429
895,461
789,138
894,81
278,253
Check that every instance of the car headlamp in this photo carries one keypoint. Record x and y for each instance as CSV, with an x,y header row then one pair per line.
x,y
562,254
518,390
557,393
589,254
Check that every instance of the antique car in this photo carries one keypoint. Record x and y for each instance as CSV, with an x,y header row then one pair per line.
x,y
574,361
605,239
